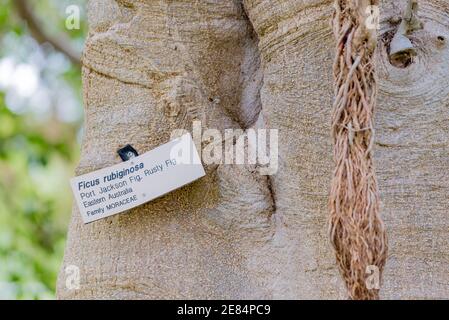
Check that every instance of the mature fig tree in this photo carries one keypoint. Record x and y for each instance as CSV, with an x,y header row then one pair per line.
x,y
150,67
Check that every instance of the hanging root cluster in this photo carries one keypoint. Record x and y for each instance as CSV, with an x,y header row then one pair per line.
x,y
356,229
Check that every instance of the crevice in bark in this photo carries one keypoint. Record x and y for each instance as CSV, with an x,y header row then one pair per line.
x,y
91,69
272,194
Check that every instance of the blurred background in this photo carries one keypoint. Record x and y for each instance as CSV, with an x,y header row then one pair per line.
x,y
41,119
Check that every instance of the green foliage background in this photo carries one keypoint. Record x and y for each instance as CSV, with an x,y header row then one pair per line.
x,y
39,136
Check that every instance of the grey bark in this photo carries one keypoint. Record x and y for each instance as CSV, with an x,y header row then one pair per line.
x,y
153,66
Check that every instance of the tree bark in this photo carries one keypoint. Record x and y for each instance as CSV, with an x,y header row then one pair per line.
x,y
154,66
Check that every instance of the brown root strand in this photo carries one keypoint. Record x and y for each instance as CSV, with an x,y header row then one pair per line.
x,y
356,230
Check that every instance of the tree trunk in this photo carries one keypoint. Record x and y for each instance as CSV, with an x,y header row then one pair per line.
x,y
153,66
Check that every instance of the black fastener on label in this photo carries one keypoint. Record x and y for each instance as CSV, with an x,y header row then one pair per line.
x,y
127,152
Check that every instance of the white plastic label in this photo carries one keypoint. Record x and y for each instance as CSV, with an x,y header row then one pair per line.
x,y
118,188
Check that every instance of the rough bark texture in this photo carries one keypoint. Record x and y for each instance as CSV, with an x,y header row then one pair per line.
x,y
152,66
